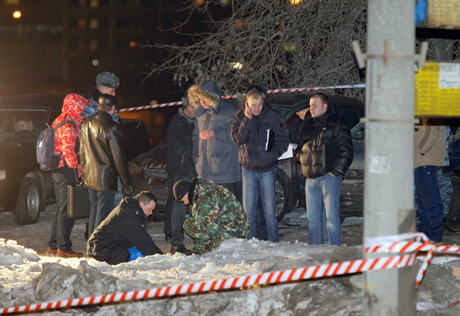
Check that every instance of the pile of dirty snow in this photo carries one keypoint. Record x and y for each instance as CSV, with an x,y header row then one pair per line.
x,y
27,278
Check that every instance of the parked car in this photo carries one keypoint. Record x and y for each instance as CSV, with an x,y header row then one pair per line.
x,y
148,170
24,188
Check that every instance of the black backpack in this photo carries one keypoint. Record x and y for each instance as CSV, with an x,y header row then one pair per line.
x,y
45,148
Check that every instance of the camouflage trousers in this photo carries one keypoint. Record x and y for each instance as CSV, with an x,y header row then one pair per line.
x,y
210,236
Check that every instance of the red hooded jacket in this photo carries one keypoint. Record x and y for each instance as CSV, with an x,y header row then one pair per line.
x,y
66,136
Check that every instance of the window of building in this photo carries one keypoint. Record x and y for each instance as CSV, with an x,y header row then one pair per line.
x,y
94,24
11,2
94,3
82,23
93,45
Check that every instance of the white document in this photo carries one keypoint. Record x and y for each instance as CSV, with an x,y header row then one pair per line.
x,y
268,139
289,153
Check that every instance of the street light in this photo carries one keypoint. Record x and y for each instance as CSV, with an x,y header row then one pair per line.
x,y
295,2
16,14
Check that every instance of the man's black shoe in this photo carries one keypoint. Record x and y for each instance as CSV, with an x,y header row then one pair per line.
x,y
181,248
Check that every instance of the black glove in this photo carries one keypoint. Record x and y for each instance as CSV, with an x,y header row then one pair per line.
x,y
127,190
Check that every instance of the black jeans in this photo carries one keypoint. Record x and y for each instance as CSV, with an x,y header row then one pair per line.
x,y
236,188
62,224
178,211
101,206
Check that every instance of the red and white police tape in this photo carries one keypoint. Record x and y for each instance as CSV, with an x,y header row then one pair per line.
x,y
162,105
387,244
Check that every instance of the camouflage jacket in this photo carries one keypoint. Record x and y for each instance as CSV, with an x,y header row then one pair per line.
x,y
216,215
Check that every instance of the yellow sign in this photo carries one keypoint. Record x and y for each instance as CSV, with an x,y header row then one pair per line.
x,y
437,90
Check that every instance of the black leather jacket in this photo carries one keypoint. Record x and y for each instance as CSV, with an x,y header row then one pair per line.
x,y
101,153
180,146
324,146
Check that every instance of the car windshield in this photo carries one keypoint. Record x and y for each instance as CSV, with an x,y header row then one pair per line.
x,y
14,121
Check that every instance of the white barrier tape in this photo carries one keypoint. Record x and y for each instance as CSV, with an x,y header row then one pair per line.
x,y
313,272
147,107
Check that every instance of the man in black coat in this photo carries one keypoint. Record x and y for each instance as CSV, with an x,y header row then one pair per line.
x,y
325,151
103,160
262,137
180,166
124,228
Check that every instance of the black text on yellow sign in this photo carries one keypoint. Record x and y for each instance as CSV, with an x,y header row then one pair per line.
x,y
437,90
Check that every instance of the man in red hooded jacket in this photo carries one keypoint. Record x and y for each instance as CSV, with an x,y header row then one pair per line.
x,y
67,173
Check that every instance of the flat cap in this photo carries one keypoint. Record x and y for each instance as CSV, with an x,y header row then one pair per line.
x,y
107,79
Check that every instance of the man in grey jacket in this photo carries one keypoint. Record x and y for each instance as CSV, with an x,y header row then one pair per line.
x,y
214,152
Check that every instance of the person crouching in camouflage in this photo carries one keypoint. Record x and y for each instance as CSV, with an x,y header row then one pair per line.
x,y
216,213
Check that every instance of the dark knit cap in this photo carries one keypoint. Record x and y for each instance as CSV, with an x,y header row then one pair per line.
x,y
107,79
180,189
300,102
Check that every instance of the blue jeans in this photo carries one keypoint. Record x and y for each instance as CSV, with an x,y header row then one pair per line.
x,y
323,209
265,182
429,203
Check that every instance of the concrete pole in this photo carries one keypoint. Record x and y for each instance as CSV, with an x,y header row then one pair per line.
x,y
389,166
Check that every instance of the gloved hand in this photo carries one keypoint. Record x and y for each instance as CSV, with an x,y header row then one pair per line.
x,y
127,190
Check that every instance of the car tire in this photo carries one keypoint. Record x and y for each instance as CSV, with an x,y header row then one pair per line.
x,y
282,198
30,202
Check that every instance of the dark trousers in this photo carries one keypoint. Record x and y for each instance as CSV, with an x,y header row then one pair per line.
x,y
115,256
429,203
169,206
62,225
101,206
452,219
236,188
178,211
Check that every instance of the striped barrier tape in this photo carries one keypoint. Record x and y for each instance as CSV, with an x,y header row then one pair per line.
x,y
312,272
162,105
397,244
423,306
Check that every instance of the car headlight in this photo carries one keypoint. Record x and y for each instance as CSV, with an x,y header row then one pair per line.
x,y
2,175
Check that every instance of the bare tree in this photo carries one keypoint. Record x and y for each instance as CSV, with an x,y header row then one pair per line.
x,y
280,45
275,44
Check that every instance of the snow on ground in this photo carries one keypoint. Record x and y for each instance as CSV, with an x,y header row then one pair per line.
x,y
27,278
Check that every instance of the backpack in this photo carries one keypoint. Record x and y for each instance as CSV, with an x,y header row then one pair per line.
x,y
45,148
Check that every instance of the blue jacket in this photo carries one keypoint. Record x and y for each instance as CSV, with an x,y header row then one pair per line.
x,y
91,107
251,137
